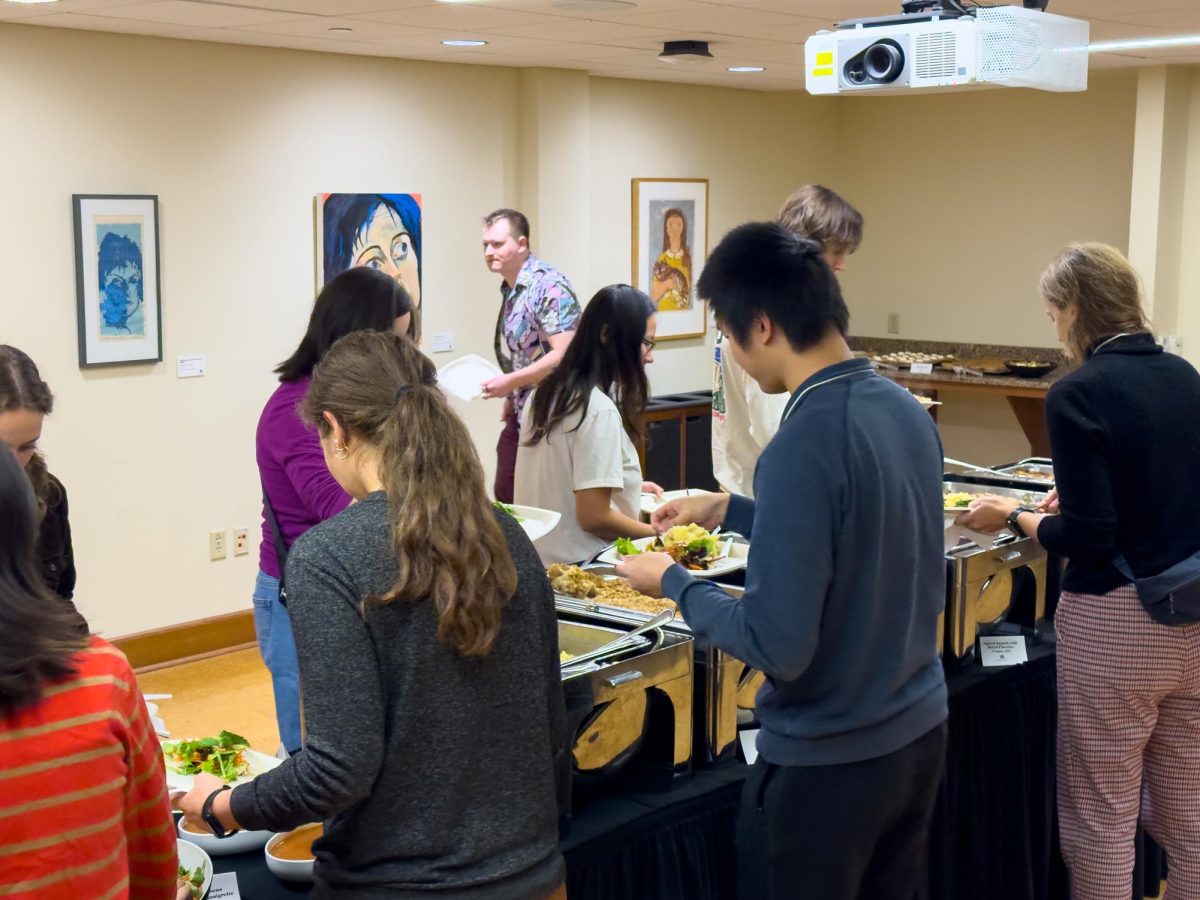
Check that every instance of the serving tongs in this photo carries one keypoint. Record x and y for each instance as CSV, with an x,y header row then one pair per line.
x,y
967,465
629,638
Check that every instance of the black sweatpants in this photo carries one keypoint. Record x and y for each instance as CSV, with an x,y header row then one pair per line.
x,y
847,832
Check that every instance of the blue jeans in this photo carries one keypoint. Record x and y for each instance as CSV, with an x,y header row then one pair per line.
x,y
273,628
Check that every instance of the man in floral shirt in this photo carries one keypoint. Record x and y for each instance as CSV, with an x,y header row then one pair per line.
x,y
537,320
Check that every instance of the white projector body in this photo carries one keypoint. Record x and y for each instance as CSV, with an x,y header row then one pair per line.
x,y
1000,45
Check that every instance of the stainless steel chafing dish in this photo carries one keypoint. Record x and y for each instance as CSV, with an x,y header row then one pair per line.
x,y
723,685
983,583
633,705
1035,473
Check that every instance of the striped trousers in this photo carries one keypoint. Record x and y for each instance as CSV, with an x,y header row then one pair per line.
x,y
1129,725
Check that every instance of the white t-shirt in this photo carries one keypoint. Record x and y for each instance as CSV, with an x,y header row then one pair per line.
x,y
744,421
598,454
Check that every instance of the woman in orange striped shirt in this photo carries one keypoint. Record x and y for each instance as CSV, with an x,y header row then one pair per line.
x,y
83,802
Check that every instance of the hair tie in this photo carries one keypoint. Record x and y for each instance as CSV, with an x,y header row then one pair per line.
x,y
401,391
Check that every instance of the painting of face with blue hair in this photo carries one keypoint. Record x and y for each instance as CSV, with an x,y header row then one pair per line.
x,y
379,231
120,275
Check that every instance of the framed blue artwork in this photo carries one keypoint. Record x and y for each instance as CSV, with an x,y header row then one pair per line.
x,y
116,279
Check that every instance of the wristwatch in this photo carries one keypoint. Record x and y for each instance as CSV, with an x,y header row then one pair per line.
x,y
210,818
1013,525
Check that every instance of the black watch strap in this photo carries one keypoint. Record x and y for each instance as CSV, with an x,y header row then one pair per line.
x,y
1012,521
210,818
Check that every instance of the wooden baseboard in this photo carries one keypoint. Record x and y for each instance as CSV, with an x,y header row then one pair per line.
x,y
188,641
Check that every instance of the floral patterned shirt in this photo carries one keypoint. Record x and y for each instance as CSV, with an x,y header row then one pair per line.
x,y
541,303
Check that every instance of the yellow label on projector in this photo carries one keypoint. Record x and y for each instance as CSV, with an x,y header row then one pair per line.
x,y
825,58
817,73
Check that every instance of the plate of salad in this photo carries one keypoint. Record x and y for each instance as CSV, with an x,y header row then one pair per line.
x,y
691,546
536,522
226,755
195,869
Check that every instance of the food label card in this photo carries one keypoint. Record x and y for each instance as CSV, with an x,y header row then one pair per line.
x,y
749,739
1002,650
922,368
224,887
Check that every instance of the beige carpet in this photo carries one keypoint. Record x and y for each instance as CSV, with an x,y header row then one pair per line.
x,y
230,692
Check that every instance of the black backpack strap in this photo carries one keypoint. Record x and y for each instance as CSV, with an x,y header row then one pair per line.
x,y
281,550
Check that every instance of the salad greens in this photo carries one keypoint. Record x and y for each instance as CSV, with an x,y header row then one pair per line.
x,y
626,547
193,879
504,507
223,756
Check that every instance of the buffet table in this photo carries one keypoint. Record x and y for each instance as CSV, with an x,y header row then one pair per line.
x,y
994,835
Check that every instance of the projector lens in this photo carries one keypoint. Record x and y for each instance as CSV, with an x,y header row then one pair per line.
x,y
883,62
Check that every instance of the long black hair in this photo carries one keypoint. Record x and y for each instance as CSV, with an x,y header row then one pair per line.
x,y
606,353
360,299
39,633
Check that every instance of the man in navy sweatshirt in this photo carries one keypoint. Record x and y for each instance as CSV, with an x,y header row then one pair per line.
x,y
845,582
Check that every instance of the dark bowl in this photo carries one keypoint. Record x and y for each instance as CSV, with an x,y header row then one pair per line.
x,y
1028,368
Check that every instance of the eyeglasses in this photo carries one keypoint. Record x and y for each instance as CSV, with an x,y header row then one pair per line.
x,y
648,344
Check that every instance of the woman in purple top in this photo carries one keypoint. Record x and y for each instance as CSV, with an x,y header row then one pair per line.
x,y
297,487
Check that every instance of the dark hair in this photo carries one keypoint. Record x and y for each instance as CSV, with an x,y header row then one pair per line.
x,y
675,212
605,353
360,299
39,633
21,387
448,545
817,213
761,268
518,224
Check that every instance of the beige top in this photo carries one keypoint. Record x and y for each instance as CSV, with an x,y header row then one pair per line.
x,y
744,421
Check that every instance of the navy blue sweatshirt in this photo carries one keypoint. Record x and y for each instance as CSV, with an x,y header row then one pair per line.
x,y
846,575
1125,437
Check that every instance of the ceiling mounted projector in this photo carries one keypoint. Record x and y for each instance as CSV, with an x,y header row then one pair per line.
x,y
1009,46
684,51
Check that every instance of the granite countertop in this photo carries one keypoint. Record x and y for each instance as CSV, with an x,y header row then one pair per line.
x,y
870,346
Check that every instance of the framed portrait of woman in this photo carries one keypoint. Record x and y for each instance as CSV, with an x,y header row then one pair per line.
x,y
670,244
380,231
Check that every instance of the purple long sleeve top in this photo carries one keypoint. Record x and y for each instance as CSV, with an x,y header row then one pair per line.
x,y
292,468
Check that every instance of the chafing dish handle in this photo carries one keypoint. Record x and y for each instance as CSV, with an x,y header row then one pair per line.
x,y
623,678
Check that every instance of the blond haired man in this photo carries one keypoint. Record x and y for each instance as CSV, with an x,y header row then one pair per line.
x,y
744,418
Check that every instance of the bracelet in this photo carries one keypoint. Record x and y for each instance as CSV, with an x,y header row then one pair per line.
x,y
210,818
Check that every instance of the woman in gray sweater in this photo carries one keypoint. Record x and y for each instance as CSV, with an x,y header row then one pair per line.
x,y
428,648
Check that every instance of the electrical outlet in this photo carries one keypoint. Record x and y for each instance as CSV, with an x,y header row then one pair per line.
x,y
241,541
893,323
216,544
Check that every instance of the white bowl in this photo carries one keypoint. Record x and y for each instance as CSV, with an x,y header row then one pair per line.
x,y
215,846
289,869
192,857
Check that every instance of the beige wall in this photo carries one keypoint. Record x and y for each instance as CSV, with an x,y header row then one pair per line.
x,y
236,142
968,195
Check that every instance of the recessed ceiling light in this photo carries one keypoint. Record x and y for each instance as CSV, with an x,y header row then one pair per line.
x,y
745,69
465,43
1179,40
32,1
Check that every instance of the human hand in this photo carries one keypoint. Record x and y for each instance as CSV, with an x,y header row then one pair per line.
x,y
191,803
498,386
508,409
645,571
1050,504
706,510
649,487
987,514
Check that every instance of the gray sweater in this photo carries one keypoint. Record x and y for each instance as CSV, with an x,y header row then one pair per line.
x,y
433,773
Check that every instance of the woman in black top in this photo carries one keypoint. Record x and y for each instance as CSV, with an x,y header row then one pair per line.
x,y
1125,437
25,401
428,647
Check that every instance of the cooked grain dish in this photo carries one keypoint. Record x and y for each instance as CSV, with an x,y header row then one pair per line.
x,y
572,581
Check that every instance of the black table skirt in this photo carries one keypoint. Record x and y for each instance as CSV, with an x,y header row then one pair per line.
x,y
994,835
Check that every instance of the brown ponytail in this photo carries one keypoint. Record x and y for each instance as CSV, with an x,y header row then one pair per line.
x,y
449,547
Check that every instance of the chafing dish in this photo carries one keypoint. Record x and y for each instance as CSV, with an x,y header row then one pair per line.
x,y
985,585
723,685
631,706
1035,473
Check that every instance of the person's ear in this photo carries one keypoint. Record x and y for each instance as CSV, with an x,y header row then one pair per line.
x,y
335,427
523,244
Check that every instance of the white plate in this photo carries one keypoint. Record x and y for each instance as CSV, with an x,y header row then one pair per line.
x,y
733,558
259,763
537,522
463,378
192,857
650,503
215,846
